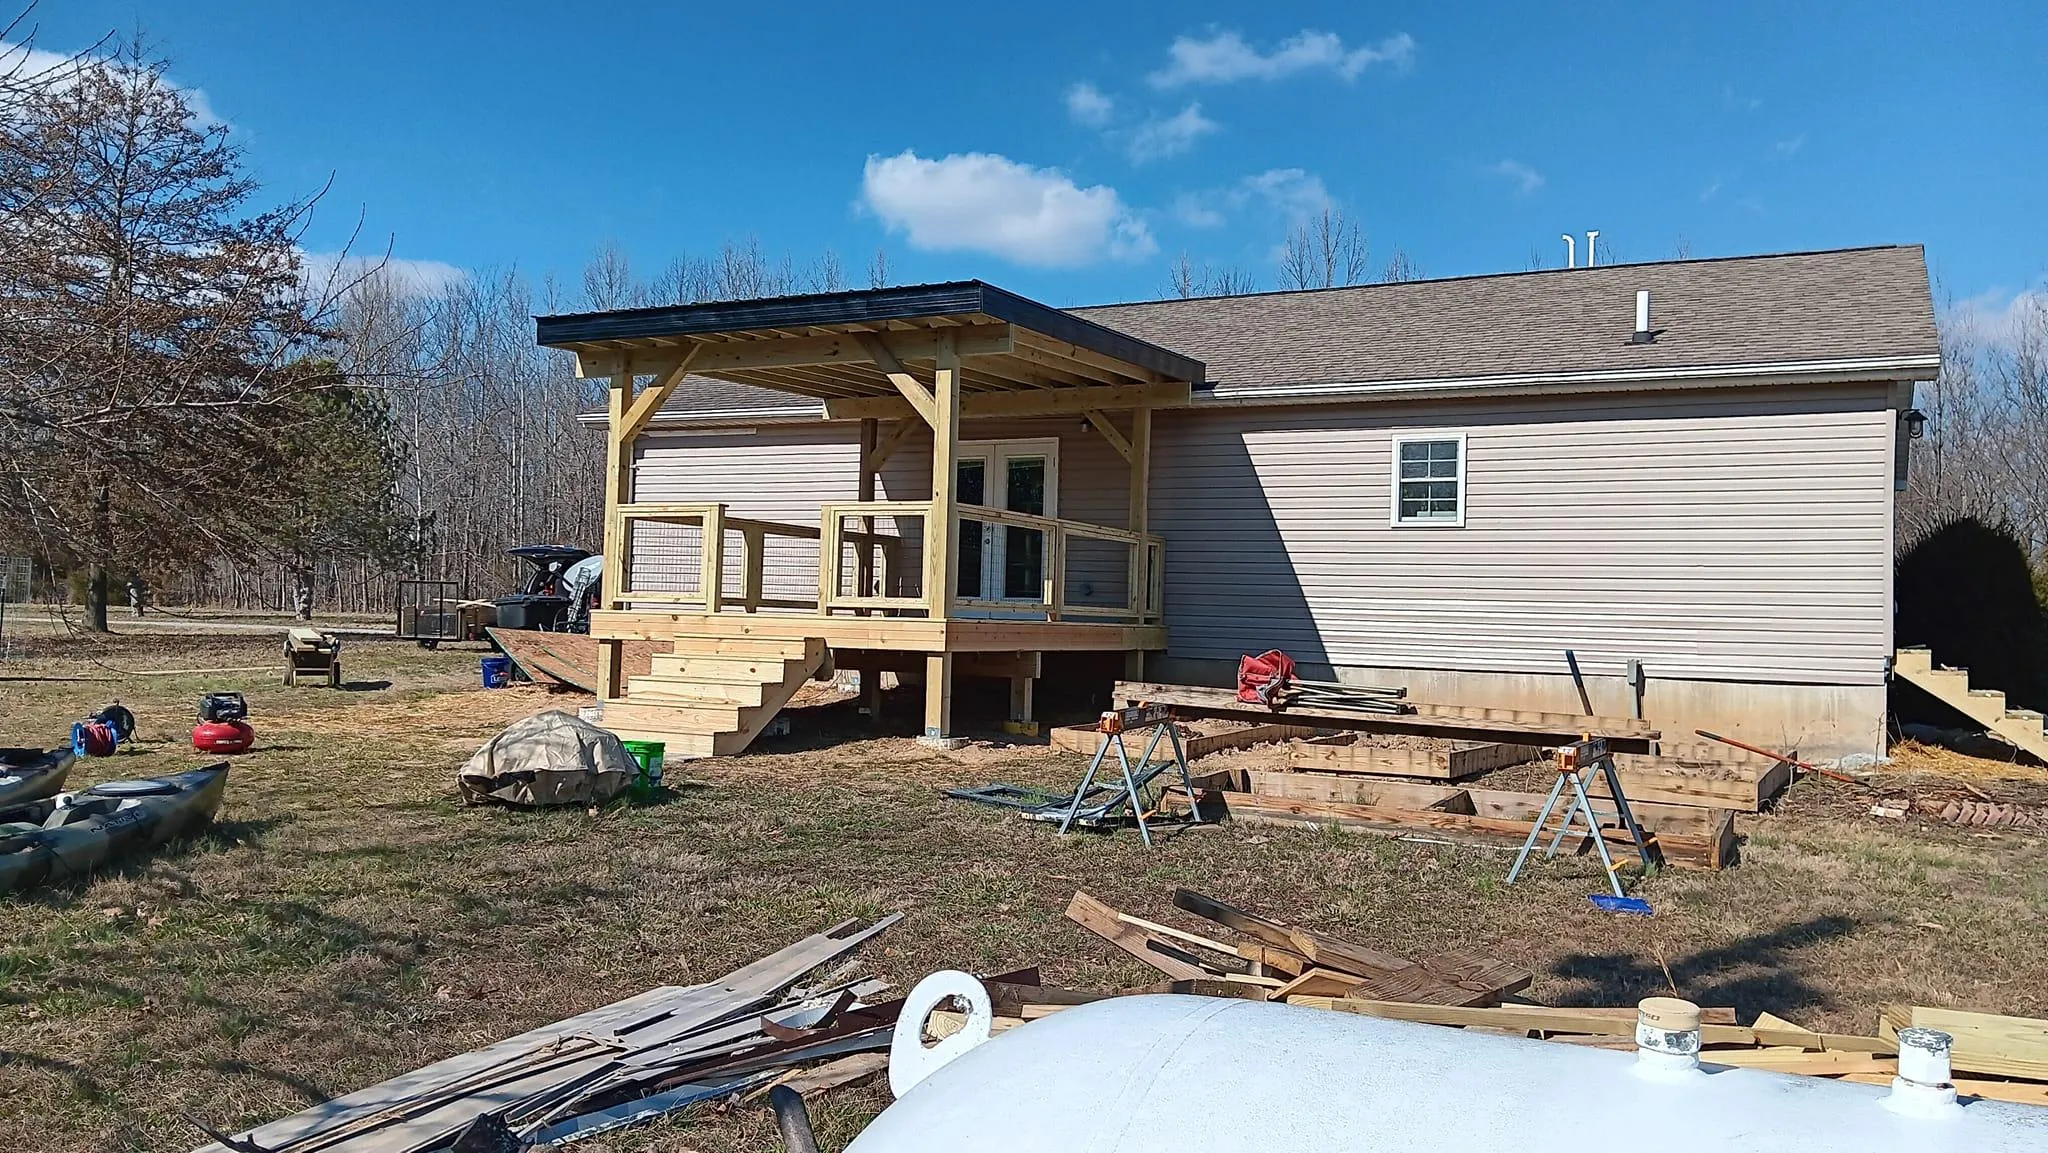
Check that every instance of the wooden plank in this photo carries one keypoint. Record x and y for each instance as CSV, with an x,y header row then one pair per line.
x,y
1086,739
1467,981
1711,851
1819,1064
1454,721
1022,402
1273,957
1109,433
795,352
1103,921
1984,1042
1183,936
1318,982
1521,1018
1466,759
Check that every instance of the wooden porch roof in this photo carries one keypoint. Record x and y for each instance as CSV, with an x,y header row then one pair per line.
x,y
1017,356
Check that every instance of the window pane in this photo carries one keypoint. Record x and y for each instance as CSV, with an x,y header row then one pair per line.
x,y
1443,450
1411,469
1414,450
1024,485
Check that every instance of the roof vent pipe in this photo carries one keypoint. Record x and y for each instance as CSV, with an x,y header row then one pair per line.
x,y
1592,237
1644,334
1922,1088
1667,1038
1571,250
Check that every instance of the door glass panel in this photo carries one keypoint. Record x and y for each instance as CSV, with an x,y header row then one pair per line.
x,y
970,486
1024,548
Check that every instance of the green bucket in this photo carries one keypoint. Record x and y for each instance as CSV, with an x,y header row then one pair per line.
x,y
648,756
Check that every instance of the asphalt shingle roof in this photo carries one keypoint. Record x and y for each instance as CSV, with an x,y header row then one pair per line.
x,y
1850,304
1847,304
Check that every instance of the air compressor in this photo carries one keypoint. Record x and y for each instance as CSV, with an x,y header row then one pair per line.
x,y
223,724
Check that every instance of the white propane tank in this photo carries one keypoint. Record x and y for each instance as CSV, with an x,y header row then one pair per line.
x,y
1215,1075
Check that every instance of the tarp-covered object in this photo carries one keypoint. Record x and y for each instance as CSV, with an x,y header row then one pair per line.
x,y
550,758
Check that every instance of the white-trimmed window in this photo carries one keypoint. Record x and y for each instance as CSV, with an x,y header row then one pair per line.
x,y
1429,479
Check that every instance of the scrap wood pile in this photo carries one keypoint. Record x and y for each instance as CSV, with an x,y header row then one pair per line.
x,y
663,1050
2005,1058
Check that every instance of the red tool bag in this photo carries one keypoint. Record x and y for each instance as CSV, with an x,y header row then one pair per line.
x,y
1261,679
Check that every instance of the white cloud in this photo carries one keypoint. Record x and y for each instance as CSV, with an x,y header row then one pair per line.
x,y
333,273
1087,105
1791,145
2003,319
1225,56
1175,134
1291,193
59,70
982,202
1523,177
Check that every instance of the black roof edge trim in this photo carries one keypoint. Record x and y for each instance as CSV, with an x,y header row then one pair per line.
x,y
906,303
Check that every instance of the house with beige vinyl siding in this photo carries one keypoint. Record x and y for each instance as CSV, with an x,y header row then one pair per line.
x,y
1442,484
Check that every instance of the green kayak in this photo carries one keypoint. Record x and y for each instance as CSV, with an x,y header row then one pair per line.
x,y
75,833
32,774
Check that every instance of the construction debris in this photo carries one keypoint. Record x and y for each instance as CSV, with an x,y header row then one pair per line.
x,y
663,1050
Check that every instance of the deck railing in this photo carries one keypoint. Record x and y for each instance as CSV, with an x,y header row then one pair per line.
x,y
871,558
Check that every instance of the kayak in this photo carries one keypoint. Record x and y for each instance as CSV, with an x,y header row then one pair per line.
x,y
32,774
74,833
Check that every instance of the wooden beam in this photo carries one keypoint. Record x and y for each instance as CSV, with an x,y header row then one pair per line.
x,y
938,696
913,390
1035,402
655,395
942,546
1137,516
1039,342
881,452
1109,433
787,352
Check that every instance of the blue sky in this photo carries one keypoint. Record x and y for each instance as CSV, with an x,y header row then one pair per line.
x,y
1071,151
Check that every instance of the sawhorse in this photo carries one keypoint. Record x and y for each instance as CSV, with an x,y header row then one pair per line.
x,y
1574,761
1113,725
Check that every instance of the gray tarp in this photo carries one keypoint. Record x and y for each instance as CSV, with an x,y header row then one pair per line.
x,y
550,758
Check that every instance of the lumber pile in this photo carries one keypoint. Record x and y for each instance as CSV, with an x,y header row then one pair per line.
x,y
1272,960
648,1055
1087,739
1265,959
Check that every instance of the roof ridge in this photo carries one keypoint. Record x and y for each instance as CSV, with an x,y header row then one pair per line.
x,y
1527,272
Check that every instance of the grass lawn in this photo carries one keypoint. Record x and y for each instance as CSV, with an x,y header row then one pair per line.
x,y
347,919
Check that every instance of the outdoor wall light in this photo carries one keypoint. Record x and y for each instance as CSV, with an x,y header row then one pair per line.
x,y
1916,423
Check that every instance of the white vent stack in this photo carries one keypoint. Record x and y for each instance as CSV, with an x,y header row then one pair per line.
x,y
1571,249
1922,1088
1644,334
1302,1078
1592,239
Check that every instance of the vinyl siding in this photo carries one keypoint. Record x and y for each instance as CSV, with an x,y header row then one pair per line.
x,y
1737,534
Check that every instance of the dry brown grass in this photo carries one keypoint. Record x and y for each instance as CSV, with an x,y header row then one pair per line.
x,y
347,919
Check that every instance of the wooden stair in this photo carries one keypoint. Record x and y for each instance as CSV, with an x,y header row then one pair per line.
x,y
2020,727
713,695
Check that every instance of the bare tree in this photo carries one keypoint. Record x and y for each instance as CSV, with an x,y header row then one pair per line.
x,y
157,338
1326,251
1185,279
878,270
1400,267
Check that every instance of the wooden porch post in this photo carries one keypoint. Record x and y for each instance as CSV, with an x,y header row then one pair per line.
x,y
1138,520
942,545
618,490
870,438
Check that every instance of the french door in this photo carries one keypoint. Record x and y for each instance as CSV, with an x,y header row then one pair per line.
x,y
1005,562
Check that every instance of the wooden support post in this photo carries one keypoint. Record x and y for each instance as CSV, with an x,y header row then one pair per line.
x,y
618,490
938,698
870,435
941,534
753,566
713,578
1138,519
1021,719
871,692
